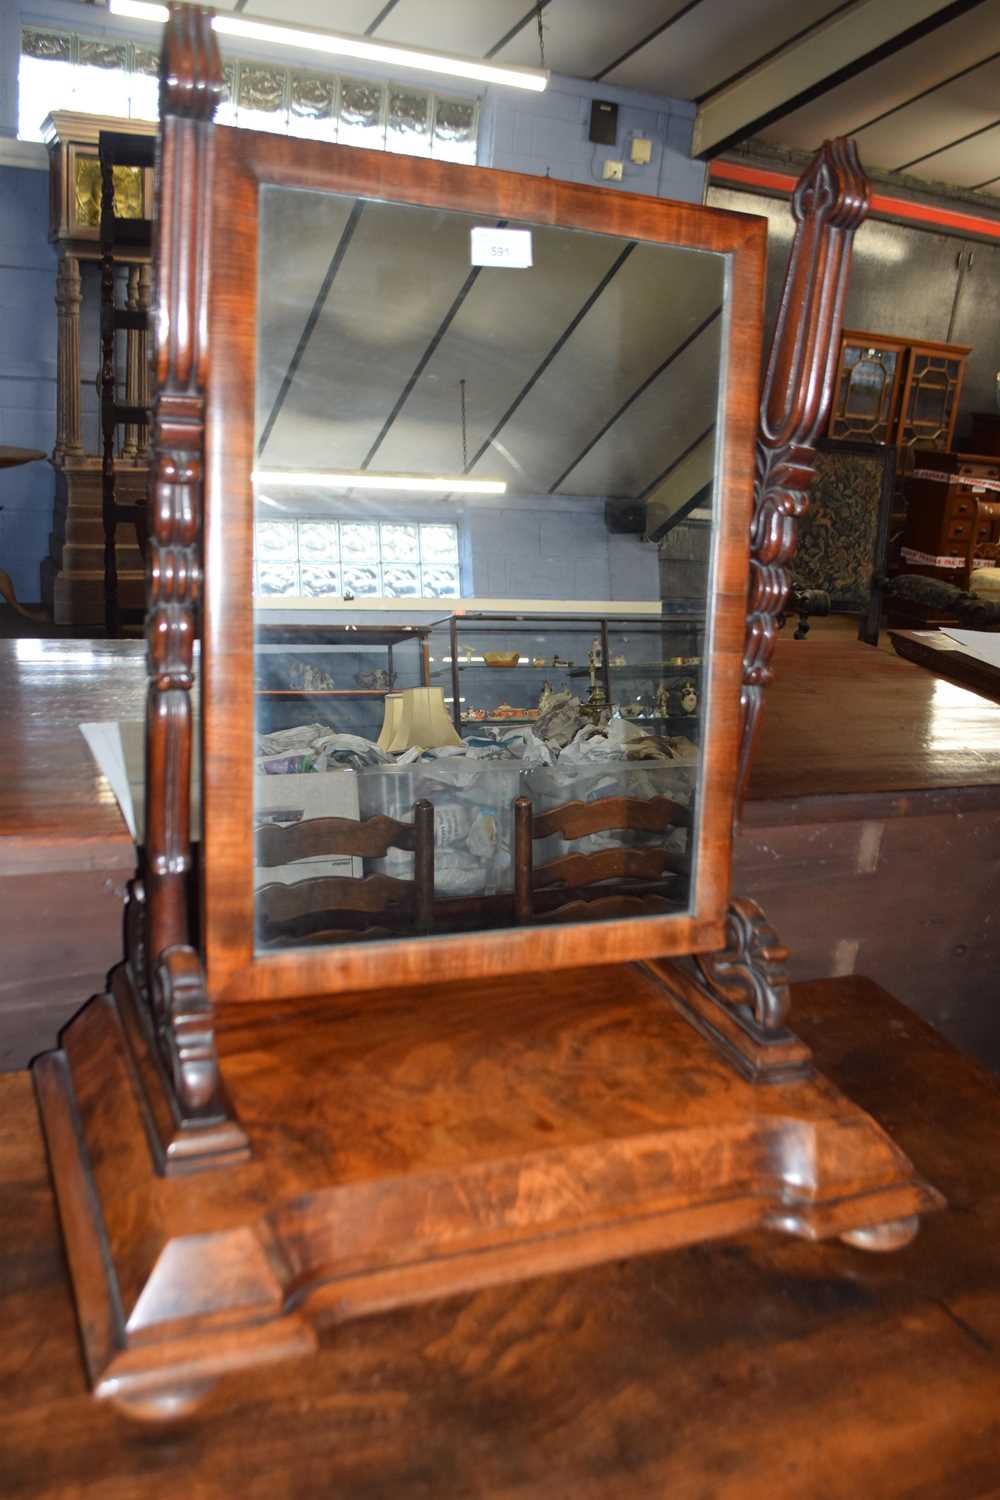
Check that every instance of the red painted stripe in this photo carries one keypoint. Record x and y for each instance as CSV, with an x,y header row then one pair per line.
x,y
881,204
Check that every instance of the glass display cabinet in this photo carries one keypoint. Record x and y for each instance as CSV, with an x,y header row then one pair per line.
x,y
338,674
503,670
511,1032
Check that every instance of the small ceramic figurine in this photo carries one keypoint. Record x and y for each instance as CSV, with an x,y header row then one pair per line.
x,y
662,702
688,698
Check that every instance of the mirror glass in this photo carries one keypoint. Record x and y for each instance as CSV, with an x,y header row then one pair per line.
x,y
483,492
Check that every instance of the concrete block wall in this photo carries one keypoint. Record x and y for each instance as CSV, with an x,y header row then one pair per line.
x,y
546,135
27,373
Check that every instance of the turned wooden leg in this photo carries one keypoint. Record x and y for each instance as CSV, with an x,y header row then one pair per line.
x,y
161,1407
881,1238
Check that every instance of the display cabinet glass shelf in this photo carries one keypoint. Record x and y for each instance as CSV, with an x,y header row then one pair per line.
x,y
336,674
506,669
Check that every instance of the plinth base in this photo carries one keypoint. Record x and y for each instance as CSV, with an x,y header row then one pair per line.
x,y
416,1144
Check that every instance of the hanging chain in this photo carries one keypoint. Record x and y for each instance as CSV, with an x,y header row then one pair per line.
x,y
465,439
541,33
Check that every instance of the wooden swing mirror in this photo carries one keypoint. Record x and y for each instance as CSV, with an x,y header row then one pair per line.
x,y
364,1083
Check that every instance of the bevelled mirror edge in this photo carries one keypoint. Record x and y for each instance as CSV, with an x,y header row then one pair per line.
x,y
244,162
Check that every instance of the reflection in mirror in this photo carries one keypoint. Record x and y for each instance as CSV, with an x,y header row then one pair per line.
x,y
483,524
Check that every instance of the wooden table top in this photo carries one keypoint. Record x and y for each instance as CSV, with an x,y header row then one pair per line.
x,y
755,1369
56,810
11,457
841,719
939,653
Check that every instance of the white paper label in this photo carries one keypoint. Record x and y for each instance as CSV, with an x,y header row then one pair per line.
x,y
501,247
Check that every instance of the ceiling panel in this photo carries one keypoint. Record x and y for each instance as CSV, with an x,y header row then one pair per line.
x,y
970,163
453,25
504,330
657,428
658,298
938,120
894,82
713,41
397,281
571,347
582,37
301,232
352,16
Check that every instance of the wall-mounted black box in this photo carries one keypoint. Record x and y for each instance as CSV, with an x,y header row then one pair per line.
x,y
603,122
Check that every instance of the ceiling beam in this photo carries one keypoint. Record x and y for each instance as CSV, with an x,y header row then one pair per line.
x,y
840,49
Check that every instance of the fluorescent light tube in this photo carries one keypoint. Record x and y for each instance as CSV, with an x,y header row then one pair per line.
x,y
337,44
364,479
139,10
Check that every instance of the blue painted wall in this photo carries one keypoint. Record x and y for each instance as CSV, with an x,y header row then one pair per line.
x,y
27,372
546,135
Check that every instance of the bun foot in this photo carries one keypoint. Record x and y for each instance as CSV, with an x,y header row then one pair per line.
x,y
161,1407
881,1238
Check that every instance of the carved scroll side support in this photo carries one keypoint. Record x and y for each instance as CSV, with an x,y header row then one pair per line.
x,y
749,972
829,203
181,1013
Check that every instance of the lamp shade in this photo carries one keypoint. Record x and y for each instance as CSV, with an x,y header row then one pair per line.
x,y
390,721
423,722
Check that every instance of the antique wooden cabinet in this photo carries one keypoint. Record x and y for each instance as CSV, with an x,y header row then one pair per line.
x,y
263,1128
896,391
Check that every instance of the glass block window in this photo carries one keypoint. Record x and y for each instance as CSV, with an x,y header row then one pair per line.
x,y
62,70
369,559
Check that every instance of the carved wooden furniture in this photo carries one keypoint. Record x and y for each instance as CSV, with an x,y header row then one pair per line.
x,y
121,237
619,880
338,908
73,583
896,391
247,1144
952,502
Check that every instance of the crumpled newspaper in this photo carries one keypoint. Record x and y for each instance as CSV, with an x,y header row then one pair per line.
x,y
314,747
617,740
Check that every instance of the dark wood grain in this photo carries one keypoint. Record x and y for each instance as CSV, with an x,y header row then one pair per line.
x,y
848,720
370,839
574,820
654,1376
829,203
408,1144
940,654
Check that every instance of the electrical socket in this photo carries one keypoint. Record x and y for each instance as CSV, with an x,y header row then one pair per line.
x,y
642,151
614,171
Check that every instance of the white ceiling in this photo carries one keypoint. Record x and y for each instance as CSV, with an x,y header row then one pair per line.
x,y
927,104
590,375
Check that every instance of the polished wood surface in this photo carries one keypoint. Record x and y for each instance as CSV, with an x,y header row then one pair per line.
x,y
757,1369
65,852
57,811
407,1144
940,654
845,719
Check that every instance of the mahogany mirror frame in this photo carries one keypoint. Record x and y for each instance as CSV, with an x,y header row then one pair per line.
x,y
244,162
